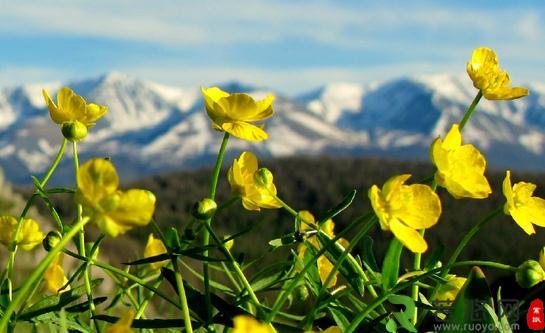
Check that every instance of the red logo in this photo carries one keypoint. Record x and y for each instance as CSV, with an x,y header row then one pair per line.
x,y
534,317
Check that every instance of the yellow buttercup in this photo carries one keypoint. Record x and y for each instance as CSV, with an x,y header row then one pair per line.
x,y
29,235
524,208
155,247
404,209
255,187
54,276
460,168
494,83
114,211
234,113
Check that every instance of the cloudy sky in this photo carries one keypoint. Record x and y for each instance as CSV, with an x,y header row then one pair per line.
x,y
289,45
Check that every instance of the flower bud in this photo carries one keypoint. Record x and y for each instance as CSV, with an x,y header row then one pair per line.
x,y
51,240
263,177
301,292
74,130
529,273
228,244
204,209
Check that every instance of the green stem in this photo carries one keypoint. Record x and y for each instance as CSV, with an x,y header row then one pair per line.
x,y
81,240
461,246
208,222
401,286
238,271
182,296
414,289
283,297
470,110
13,246
142,307
37,274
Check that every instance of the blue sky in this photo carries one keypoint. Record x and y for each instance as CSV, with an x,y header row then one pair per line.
x,y
291,46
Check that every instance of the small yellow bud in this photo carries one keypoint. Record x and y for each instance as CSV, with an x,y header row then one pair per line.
x,y
228,244
74,130
529,273
51,240
263,177
204,209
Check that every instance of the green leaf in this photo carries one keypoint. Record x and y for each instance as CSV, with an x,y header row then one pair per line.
x,y
56,302
284,240
404,317
340,317
434,257
172,239
469,306
347,201
390,265
368,253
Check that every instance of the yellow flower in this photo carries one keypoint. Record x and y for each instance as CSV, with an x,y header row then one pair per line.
x,y
232,113
254,192
525,209
123,324
449,290
73,113
114,211
404,209
54,275
484,70
460,168
324,265
155,247
29,236
247,324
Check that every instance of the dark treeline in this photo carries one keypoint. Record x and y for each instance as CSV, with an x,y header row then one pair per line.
x,y
318,184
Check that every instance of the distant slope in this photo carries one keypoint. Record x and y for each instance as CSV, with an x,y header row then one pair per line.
x,y
318,191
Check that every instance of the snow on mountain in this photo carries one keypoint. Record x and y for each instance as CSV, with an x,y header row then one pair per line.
x,y
152,128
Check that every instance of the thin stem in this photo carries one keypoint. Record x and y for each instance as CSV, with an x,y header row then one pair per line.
x,y
470,110
283,297
182,296
147,300
208,222
37,274
13,246
81,241
401,286
414,289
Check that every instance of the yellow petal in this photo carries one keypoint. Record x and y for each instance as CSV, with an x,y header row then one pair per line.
x,y
247,324
534,210
393,185
508,193
453,139
70,103
449,290
93,112
7,229
240,107
245,131
523,220
54,276
96,179
109,226
324,269
123,324
421,207
155,247
56,114
507,93
214,110
408,236
379,206
30,235
307,219
264,109
135,208
483,67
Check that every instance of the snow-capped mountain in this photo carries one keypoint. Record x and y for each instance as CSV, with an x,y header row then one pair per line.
x,y
152,128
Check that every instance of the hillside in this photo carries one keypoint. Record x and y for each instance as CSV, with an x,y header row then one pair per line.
x,y
318,184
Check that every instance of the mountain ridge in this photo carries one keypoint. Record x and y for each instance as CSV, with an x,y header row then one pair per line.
x,y
153,128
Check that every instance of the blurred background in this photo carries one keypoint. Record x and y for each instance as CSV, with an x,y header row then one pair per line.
x,y
362,89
